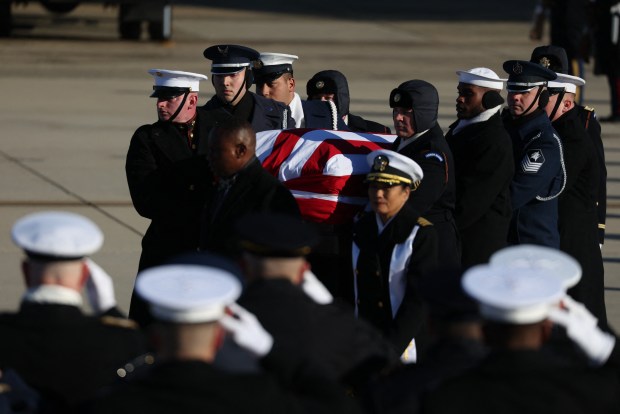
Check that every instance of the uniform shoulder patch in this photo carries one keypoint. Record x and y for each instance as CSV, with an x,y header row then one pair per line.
x,y
118,322
436,155
532,161
424,222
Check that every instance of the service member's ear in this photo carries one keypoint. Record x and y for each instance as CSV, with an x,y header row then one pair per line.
x,y
491,99
240,150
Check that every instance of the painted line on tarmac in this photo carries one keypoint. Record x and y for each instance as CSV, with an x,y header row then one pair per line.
x,y
81,201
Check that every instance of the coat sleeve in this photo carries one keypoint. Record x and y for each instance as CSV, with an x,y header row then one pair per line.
x,y
434,164
594,131
411,315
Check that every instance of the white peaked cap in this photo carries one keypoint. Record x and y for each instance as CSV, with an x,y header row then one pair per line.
x,y
533,257
188,293
272,59
177,79
481,77
515,296
57,234
568,82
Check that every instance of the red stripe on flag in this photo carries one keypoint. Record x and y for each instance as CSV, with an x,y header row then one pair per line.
x,y
329,212
352,185
282,148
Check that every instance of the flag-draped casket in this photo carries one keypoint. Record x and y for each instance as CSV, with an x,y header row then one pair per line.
x,y
323,169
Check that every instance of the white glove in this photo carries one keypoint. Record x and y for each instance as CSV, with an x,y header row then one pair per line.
x,y
581,327
247,331
315,289
99,288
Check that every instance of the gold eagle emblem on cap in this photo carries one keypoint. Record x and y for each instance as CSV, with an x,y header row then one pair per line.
x,y
158,73
380,163
517,69
545,62
319,84
397,97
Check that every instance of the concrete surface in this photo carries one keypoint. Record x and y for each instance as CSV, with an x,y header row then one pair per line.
x,y
72,95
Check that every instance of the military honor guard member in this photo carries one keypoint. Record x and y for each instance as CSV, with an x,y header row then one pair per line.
x,y
393,246
414,112
332,85
483,164
274,80
540,174
232,75
307,325
194,309
519,306
63,353
577,204
555,58
167,171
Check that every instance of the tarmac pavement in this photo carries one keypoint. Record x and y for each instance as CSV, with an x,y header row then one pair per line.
x,y
72,96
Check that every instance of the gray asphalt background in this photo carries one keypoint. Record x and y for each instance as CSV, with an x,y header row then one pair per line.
x,y
72,95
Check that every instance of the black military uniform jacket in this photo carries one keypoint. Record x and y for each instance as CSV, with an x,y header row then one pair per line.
x,y
64,354
264,114
435,197
527,382
386,267
188,387
593,127
253,190
328,336
167,180
484,168
577,212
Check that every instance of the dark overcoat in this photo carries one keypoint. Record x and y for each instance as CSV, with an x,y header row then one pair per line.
x,y
435,197
484,168
578,213
65,355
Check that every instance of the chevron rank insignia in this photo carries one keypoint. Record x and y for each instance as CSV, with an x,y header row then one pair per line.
x,y
532,161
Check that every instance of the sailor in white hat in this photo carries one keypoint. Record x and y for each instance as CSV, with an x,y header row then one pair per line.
x,y
480,145
562,92
392,246
50,341
275,80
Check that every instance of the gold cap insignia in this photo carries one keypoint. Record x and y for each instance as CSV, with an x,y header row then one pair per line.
x,y
320,84
380,163
517,69
397,97
544,61
223,50
159,74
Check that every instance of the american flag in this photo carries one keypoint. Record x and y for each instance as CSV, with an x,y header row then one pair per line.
x,y
324,169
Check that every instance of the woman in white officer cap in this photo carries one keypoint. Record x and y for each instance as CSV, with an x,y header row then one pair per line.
x,y
392,247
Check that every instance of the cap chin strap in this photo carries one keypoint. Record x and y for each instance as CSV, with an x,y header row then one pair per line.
x,y
180,108
557,105
540,90
245,74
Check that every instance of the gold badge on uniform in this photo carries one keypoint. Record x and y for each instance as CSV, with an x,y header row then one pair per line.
x,y
380,164
544,61
517,69
320,84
